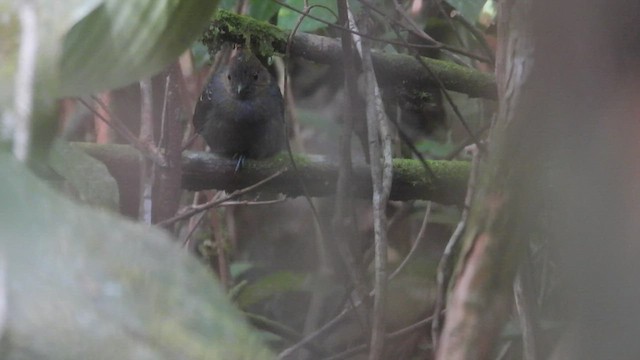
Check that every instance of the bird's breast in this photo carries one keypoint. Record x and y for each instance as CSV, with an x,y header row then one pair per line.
x,y
247,111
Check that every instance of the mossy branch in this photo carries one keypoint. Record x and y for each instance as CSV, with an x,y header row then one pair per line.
x,y
391,69
202,171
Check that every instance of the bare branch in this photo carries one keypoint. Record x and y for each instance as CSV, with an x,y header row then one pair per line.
x,y
391,69
207,171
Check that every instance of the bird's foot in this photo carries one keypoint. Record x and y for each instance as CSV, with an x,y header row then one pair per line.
x,y
240,162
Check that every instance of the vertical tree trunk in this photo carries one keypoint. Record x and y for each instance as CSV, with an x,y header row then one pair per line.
x,y
564,149
167,181
584,101
481,292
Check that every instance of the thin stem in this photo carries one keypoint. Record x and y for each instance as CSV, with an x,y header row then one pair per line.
x,y
216,202
436,45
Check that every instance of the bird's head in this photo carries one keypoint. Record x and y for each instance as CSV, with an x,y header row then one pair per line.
x,y
246,75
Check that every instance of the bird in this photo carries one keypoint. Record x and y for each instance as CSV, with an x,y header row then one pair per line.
x,y
240,113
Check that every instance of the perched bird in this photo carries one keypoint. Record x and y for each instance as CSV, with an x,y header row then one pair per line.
x,y
240,113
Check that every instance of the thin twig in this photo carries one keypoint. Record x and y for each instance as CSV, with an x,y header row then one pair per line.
x,y
446,262
416,30
414,150
166,190
526,307
146,112
148,171
320,240
216,202
381,170
19,126
436,45
390,336
476,34
416,242
163,116
220,243
466,142
148,150
444,14
253,203
445,92
337,320
343,219
319,333
450,101
281,330
192,229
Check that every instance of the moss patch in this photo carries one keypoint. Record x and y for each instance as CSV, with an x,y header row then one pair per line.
x,y
262,37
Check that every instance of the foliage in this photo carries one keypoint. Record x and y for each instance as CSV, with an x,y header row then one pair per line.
x,y
84,46
89,177
85,284
82,282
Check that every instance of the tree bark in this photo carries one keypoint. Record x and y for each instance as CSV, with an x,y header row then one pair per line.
x,y
202,171
563,167
391,69
481,293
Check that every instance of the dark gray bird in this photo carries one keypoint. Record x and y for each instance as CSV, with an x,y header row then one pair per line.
x,y
240,113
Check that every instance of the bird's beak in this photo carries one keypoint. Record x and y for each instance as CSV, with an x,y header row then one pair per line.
x,y
239,89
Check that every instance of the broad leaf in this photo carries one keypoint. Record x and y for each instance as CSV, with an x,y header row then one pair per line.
x,y
89,177
122,41
80,47
86,284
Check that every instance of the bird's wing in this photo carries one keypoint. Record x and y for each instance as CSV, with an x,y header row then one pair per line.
x,y
213,95
203,107
276,96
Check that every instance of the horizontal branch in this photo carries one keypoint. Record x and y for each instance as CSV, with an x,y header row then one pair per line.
x,y
202,171
391,69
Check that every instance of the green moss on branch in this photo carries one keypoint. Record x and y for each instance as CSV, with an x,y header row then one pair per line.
x,y
391,69
207,171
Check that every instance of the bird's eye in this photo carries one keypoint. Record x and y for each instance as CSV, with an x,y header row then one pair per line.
x,y
229,77
255,76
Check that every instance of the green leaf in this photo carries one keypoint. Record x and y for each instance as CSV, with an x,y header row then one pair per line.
x,y
40,33
287,18
89,177
86,284
268,286
122,41
84,46
54,19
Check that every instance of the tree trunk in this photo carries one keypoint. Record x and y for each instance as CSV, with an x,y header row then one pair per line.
x,y
480,297
562,164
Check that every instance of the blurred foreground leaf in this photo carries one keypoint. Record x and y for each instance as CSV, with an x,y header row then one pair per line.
x,y
89,177
85,284
122,41
78,47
